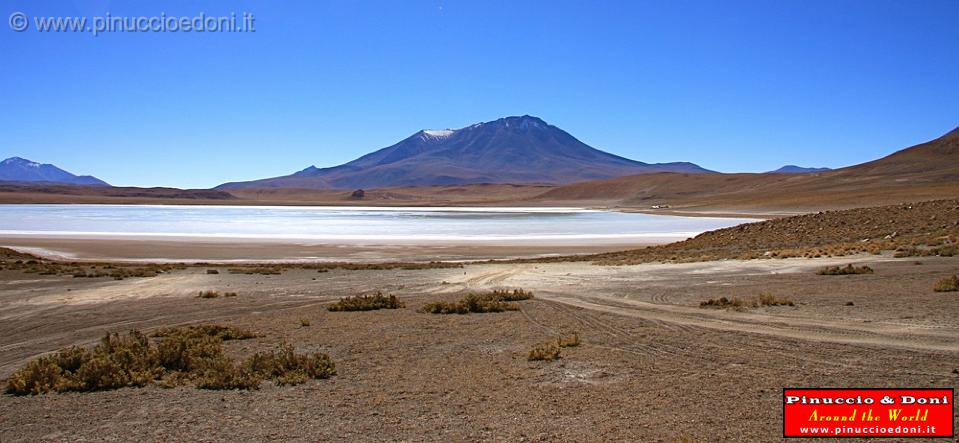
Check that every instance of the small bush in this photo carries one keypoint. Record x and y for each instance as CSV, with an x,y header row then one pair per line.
x,y
47,373
741,304
263,270
285,367
725,303
117,361
568,341
548,351
189,353
208,294
222,373
366,303
945,251
212,271
212,330
229,294
496,301
304,323
182,354
771,300
948,284
514,295
472,303
845,270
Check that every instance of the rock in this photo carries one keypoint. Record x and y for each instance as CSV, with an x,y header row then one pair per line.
x,y
359,193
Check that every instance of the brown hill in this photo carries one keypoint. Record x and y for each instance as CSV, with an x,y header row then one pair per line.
x,y
923,172
914,229
934,160
57,193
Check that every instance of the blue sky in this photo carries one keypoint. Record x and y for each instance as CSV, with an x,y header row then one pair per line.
x,y
732,86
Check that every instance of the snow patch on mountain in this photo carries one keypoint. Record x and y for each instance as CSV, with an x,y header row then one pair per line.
x,y
438,132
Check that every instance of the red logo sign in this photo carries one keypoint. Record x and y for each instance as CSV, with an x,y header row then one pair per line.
x,y
868,413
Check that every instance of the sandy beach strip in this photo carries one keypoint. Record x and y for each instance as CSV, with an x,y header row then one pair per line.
x,y
145,248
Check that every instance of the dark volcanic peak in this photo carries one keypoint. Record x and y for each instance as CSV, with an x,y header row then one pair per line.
x,y
521,122
16,169
522,149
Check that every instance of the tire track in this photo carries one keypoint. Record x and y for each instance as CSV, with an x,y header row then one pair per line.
x,y
806,330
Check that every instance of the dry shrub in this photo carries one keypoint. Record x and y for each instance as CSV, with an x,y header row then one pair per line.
x,y
496,301
117,361
725,303
286,367
15,261
208,294
212,271
907,251
323,267
771,300
548,351
845,270
741,304
946,251
366,303
948,284
181,355
189,353
511,295
212,330
472,303
221,372
568,341
261,270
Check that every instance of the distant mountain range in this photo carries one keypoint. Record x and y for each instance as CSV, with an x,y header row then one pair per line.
x,y
16,169
793,169
509,150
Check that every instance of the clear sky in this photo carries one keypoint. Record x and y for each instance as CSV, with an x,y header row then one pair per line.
x,y
730,85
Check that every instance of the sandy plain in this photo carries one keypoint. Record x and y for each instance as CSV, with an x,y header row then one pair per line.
x,y
653,365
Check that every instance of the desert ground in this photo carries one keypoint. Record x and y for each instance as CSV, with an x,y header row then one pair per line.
x,y
653,365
